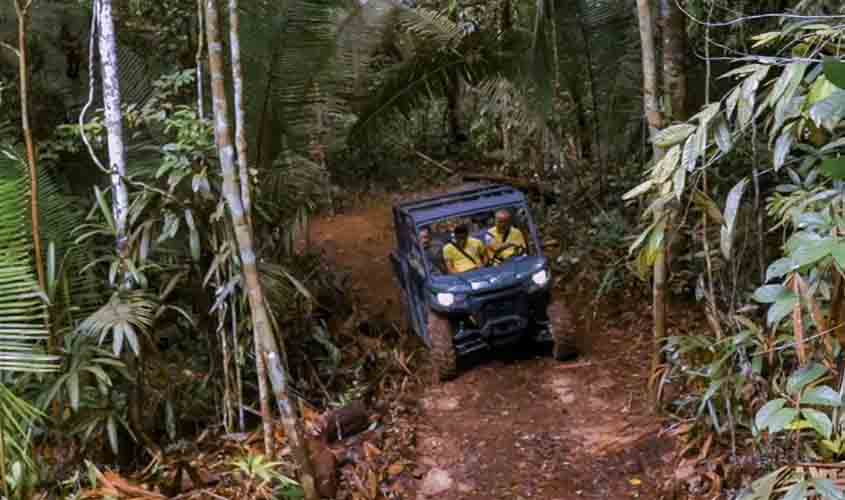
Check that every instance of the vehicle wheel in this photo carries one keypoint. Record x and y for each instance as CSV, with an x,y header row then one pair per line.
x,y
562,326
443,358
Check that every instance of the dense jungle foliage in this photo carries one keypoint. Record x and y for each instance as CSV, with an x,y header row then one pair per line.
x,y
158,288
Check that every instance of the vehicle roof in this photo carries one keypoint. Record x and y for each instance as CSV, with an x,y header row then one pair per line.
x,y
466,199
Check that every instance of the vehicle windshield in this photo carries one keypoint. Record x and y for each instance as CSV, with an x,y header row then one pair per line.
x,y
466,243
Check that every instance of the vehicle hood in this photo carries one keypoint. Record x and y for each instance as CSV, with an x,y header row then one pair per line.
x,y
513,272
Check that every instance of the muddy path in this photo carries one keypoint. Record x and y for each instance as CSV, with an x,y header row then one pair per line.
x,y
519,425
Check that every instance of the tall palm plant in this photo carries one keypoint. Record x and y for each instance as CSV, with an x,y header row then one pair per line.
x,y
24,325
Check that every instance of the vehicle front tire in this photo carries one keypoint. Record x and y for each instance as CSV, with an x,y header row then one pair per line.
x,y
563,332
444,361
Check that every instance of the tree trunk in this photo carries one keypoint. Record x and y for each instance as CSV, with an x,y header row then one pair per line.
x,y
240,127
114,125
655,122
23,66
265,342
674,52
453,109
117,168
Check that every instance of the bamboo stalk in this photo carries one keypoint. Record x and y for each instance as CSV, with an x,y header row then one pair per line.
x,y
655,122
265,342
240,127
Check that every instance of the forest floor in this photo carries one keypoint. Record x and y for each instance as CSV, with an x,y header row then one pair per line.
x,y
520,425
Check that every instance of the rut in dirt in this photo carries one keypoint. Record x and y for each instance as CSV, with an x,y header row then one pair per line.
x,y
518,424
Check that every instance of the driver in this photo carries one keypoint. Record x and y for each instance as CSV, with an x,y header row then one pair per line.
x,y
503,239
463,253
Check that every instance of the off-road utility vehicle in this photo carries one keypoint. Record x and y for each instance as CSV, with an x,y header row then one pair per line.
x,y
502,301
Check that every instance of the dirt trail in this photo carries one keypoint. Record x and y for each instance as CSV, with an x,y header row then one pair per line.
x,y
520,425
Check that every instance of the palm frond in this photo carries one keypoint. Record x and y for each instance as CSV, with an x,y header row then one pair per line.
x,y
125,316
23,313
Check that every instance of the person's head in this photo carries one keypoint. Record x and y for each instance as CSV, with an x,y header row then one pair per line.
x,y
425,237
503,219
461,233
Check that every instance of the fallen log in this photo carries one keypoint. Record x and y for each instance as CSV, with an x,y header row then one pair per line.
x,y
347,421
515,182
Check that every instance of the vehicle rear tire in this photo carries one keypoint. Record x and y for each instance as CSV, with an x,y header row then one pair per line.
x,y
563,332
443,357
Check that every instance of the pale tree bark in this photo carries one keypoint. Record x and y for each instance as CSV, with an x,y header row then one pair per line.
x,y
240,128
655,122
114,124
22,11
264,340
674,52
243,169
110,70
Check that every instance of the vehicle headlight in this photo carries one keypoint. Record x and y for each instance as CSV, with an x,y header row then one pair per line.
x,y
446,299
540,278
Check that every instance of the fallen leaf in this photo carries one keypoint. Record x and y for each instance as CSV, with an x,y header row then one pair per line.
x,y
635,482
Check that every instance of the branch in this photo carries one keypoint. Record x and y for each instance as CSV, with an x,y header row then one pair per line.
x,y
16,51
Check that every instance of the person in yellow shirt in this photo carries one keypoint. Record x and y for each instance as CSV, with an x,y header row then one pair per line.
x,y
463,253
504,240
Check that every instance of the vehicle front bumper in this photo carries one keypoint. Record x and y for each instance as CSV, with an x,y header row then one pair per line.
x,y
502,320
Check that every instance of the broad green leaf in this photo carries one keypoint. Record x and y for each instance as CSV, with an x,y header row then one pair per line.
x,y
690,153
111,428
820,422
834,71
780,309
828,489
194,235
780,267
798,491
723,137
764,39
790,76
821,395
731,208
834,168
678,182
803,377
781,419
782,147
829,112
742,70
810,252
706,114
73,390
838,253
821,90
673,135
642,188
666,166
768,294
765,414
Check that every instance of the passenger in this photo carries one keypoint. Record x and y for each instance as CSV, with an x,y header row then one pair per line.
x,y
432,253
504,240
463,253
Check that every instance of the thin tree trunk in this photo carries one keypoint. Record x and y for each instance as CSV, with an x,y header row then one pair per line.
x,y
265,342
674,52
243,170
117,167
114,125
22,11
240,128
655,122
200,46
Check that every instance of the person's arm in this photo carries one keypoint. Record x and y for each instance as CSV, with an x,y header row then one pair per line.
x,y
447,260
